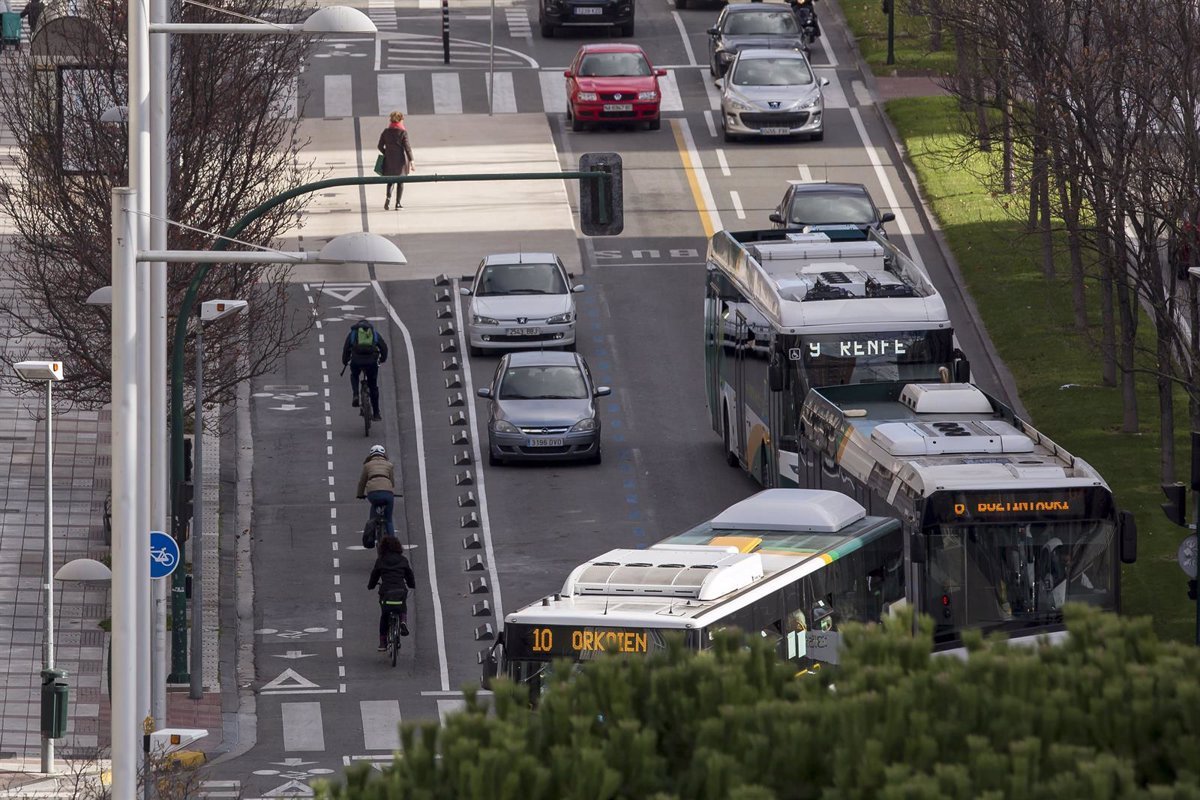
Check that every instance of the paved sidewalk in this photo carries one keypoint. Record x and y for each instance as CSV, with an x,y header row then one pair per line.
x,y
893,88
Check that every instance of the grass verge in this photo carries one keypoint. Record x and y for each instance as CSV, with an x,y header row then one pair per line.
x,y
1031,323
914,56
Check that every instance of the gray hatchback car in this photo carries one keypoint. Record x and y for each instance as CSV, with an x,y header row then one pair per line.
x,y
542,408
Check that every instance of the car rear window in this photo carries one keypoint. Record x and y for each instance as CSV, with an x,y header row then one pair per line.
x,y
747,23
558,382
820,208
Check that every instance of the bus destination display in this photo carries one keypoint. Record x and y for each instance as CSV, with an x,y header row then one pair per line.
x,y
1000,506
582,642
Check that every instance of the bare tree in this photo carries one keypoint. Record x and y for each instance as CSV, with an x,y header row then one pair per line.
x,y
233,144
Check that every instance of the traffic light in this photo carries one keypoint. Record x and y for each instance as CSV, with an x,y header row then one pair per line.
x,y
1192,589
1176,506
601,207
887,6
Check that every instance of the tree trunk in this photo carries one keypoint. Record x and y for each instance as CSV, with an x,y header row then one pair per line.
x,y
1127,314
1006,133
1069,196
1048,268
935,25
962,72
1108,329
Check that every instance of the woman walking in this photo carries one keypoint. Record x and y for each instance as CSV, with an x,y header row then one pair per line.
x,y
397,155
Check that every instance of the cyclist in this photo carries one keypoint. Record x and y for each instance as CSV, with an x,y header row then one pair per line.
x,y
394,576
377,483
364,350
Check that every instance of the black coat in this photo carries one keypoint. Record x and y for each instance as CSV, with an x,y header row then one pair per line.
x,y
392,574
350,355
397,154
32,11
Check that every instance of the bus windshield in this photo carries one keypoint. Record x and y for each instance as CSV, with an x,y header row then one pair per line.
x,y
846,358
1005,576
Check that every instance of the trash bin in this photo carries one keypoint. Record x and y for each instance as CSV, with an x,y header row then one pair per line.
x,y
10,29
54,703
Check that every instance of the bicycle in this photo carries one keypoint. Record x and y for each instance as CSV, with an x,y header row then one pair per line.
x,y
375,529
364,406
394,607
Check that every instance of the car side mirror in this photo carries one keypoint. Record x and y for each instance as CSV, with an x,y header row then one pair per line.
x,y
579,287
887,216
662,73
602,391
566,73
824,81
464,291
714,31
776,217
1127,536
485,392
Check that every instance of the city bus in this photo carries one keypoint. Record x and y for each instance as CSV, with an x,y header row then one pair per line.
x,y
1002,526
791,565
787,311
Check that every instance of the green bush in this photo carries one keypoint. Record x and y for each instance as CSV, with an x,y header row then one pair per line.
x,y
1114,712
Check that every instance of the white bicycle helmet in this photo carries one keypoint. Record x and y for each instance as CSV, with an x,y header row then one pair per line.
x,y
378,450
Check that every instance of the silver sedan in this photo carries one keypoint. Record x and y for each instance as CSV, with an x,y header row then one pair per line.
x,y
772,93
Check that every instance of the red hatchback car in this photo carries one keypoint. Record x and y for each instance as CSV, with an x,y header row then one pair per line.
x,y
613,83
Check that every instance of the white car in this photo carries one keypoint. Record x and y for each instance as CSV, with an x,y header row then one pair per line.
x,y
521,301
770,92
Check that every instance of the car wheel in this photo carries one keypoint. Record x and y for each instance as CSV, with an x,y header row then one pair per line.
x,y
599,457
569,348
680,5
819,136
727,136
493,461
627,29
654,124
476,352
547,30
577,124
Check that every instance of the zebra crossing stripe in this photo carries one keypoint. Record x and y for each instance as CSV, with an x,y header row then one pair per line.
x,y
302,727
447,94
381,724
338,96
504,95
671,101
518,23
554,91
392,93
448,707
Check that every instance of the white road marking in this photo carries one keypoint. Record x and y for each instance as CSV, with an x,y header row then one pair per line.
x,y
518,23
671,101
380,724
683,34
504,96
712,126
339,94
554,91
829,55
438,624
714,95
447,94
833,94
485,522
423,4
888,193
302,728
714,216
447,707
805,173
724,164
392,92
862,95
736,199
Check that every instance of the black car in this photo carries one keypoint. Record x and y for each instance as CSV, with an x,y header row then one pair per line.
x,y
554,14
829,204
743,25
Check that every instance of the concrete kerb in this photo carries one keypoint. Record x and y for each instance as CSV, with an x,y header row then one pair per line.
x,y
927,216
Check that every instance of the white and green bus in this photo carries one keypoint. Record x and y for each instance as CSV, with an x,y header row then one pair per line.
x,y
791,565
787,311
1002,526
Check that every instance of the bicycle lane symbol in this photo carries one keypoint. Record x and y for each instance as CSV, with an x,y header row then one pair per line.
x,y
164,554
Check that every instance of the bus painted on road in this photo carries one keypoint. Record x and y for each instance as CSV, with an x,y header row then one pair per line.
x,y
789,564
787,311
1002,526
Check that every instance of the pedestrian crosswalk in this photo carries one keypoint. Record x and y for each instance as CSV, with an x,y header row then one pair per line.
x,y
514,91
518,23
383,14
414,51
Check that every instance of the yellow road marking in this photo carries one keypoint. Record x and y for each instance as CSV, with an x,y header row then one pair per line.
x,y
689,169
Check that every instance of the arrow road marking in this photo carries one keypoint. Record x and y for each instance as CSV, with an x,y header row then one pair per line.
x,y
288,407
345,294
294,654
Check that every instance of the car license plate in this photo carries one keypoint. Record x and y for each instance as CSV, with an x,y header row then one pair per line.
x,y
543,442
589,10
524,331
776,131
618,106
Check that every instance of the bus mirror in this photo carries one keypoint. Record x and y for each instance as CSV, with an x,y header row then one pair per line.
x,y
916,548
775,375
962,371
490,667
1127,535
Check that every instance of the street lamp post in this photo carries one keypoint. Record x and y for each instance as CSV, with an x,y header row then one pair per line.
x,y
48,372
210,311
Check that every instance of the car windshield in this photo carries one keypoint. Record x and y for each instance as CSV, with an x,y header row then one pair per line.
x,y
1006,576
614,65
748,23
826,208
772,72
557,382
504,279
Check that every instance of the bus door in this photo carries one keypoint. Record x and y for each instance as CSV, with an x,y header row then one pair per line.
x,y
777,412
712,352
737,438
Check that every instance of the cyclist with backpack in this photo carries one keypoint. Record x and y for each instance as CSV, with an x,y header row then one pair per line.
x,y
364,351
394,576
377,483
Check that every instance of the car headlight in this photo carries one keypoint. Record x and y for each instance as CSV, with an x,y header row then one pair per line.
x,y
738,104
560,319
812,102
647,95
504,426
587,97
476,319
583,425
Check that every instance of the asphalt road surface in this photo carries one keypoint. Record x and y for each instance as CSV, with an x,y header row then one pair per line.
x,y
324,697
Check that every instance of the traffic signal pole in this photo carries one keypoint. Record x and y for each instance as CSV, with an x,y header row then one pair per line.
x,y
1196,515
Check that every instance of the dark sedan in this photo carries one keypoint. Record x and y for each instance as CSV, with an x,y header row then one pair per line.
x,y
816,204
555,14
542,408
743,25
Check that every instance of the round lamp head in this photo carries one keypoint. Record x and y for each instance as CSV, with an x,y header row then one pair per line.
x,y
339,19
84,570
361,248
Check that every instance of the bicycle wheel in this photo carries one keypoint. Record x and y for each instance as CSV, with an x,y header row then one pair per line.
x,y
364,406
394,638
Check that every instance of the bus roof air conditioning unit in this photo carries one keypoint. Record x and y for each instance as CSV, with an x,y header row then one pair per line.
x,y
799,510
945,398
698,573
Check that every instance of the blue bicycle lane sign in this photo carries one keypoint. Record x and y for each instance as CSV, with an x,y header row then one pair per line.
x,y
164,555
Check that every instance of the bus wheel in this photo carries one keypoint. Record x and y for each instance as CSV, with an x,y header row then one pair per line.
x,y
768,480
730,457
